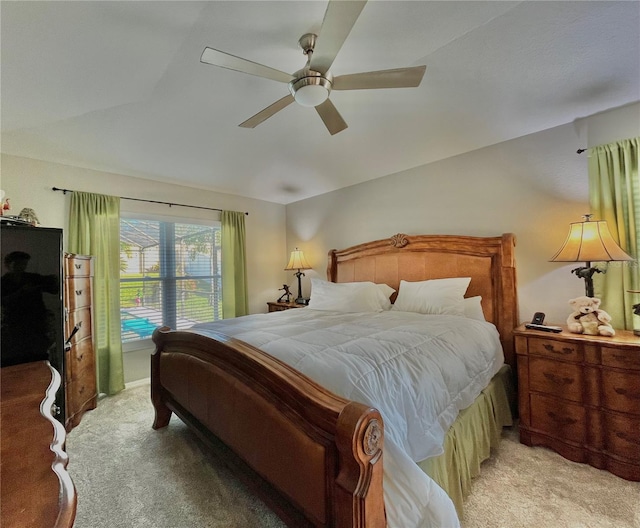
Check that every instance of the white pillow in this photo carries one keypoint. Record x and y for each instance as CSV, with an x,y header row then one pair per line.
x,y
435,296
347,296
473,308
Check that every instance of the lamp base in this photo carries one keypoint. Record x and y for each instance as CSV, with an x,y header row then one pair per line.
x,y
299,299
586,273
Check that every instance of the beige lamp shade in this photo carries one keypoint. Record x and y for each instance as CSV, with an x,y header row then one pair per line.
x,y
297,261
590,242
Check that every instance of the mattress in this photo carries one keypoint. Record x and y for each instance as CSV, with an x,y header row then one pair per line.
x,y
418,370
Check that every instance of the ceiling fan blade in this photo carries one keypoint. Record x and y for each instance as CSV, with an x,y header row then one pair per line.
x,y
331,117
398,78
265,114
231,62
339,18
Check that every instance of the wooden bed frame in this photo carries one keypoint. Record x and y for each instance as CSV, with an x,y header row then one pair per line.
x,y
314,457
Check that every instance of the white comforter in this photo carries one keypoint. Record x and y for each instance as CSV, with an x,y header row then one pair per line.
x,y
418,370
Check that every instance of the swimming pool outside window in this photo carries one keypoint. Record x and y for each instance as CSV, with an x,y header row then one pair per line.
x,y
170,275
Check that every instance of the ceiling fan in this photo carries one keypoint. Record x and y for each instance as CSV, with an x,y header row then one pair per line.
x,y
312,85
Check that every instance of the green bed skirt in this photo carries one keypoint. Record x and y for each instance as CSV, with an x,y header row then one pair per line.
x,y
469,440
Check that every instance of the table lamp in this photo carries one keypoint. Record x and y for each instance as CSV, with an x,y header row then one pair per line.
x,y
299,263
589,241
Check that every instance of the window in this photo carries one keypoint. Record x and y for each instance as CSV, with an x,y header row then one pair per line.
x,y
169,275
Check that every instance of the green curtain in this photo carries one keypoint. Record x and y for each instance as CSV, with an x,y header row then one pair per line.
x,y
94,229
614,193
235,301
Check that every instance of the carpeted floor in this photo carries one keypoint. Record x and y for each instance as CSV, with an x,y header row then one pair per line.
x,y
527,487
130,476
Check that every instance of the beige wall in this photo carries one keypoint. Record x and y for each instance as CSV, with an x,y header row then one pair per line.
x,y
28,183
533,186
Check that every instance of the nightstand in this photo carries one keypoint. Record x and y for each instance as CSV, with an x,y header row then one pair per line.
x,y
580,396
279,306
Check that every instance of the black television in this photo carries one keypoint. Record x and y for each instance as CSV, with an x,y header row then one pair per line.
x,y
32,298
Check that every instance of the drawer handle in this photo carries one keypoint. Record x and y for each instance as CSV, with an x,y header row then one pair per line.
x,y
558,380
564,350
81,390
563,420
628,438
78,266
80,357
625,392
78,292
75,330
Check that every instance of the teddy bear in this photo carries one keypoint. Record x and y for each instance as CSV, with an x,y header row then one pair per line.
x,y
587,319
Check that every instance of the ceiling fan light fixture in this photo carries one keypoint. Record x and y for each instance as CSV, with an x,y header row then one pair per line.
x,y
310,91
312,85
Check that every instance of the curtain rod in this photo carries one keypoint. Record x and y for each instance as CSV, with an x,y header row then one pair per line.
x,y
65,191
580,151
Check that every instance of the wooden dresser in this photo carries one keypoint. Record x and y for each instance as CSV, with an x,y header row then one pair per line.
x,y
35,488
80,364
276,306
580,396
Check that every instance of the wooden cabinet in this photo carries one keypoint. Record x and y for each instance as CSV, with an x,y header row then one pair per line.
x,y
80,373
280,306
35,488
580,396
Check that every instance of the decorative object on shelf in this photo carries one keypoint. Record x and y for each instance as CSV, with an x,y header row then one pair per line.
x,y
4,206
29,215
298,262
588,319
286,296
589,241
636,311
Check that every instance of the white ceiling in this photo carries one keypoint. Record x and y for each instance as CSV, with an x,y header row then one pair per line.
x,y
119,86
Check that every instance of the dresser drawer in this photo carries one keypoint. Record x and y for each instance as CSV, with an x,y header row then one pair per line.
x,y
77,292
623,436
84,369
77,266
79,355
82,318
80,391
622,358
555,349
558,418
556,378
621,391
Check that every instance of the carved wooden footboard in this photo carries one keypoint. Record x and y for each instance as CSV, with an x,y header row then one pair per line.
x,y
314,457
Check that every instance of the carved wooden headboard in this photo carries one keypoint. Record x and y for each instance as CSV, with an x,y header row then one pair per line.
x,y
489,261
